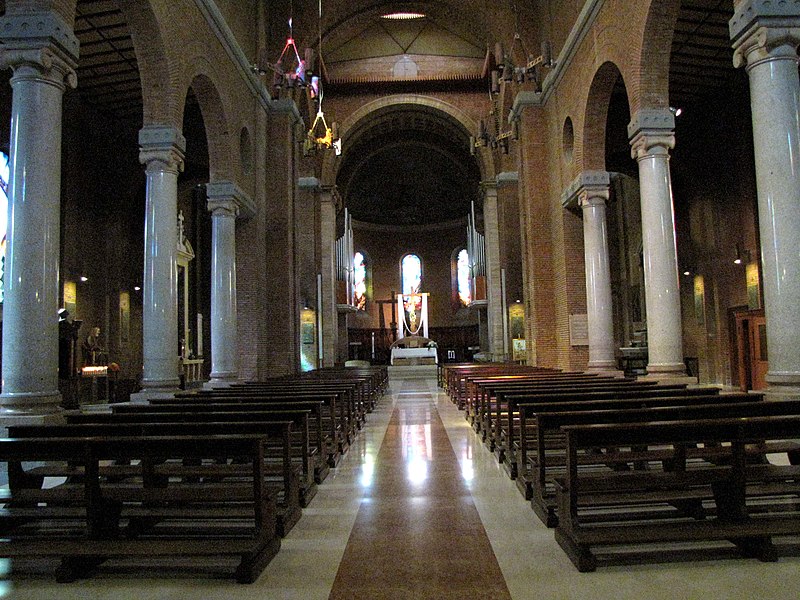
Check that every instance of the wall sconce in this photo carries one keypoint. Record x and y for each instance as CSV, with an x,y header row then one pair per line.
x,y
676,111
741,256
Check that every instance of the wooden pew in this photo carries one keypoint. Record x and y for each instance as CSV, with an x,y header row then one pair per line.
x,y
505,432
521,461
297,486
315,442
547,461
86,521
334,419
345,402
493,407
481,389
753,501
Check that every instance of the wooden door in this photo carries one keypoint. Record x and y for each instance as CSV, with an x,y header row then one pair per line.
x,y
758,352
751,349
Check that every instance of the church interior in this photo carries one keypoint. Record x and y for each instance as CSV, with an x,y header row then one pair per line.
x,y
206,194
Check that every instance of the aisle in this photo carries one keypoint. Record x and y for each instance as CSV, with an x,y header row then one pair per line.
x,y
418,533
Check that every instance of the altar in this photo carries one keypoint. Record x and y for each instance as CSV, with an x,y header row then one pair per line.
x,y
414,356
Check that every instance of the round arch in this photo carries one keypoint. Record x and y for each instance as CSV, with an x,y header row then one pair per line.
x,y
158,70
216,125
653,72
593,144
351,125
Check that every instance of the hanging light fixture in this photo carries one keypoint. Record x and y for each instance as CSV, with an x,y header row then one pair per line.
x,y
320,136
290,70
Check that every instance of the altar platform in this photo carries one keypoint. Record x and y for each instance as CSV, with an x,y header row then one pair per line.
x,y
411,372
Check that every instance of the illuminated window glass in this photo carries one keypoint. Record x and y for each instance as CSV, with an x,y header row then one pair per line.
x,y
4,173
359,281
462,278
411,274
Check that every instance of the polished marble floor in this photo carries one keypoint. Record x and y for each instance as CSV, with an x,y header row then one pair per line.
x,y
418,508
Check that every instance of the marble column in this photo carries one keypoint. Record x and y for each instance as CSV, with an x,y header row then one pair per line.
x,y
226,202
590,191
43,52
765,38
330,318
494,309
652,137
161,151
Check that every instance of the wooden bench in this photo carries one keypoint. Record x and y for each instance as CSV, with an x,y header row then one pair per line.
x,y
752,501
548,459
287,460
96,516
340,400
315,441
334,420
523,434
504,420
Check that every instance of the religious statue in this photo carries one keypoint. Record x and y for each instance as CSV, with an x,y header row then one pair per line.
x,y
93,352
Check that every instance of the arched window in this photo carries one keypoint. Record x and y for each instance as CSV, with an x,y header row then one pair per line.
x,y
411,274
359,281
4,173
462,282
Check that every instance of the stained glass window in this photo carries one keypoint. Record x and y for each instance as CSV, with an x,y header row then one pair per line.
x,y
359,281
4,173
411,274
462,278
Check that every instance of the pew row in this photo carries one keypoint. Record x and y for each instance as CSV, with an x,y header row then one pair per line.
x,y
747,501
135,510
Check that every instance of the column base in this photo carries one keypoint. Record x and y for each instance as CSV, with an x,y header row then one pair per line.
x,y
30,403
782,386
10,419
160,393
608,369
220,382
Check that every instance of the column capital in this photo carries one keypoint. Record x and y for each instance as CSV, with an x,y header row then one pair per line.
x,y
161,148
330,194
763,26
765,43
588,186
651,131
507,178
39,45
226,199
489,188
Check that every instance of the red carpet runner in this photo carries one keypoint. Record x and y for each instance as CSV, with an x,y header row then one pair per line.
x,y
417,533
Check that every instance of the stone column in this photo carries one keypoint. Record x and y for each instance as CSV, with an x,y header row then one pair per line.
x,y
652,137
330,317
226,202
494,310
43,52
590,191
162,151
765,38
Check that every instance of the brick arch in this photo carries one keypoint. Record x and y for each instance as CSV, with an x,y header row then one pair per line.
x,y
593,144
215,121
158,66
653,72
330,165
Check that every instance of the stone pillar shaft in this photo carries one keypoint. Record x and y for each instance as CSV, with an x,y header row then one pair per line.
x,y
226,202
330,318
162,151
494,309
598,280
652,138
765,40
42,51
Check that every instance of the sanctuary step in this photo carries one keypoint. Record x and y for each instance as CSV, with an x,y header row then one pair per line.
x,y
411,371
